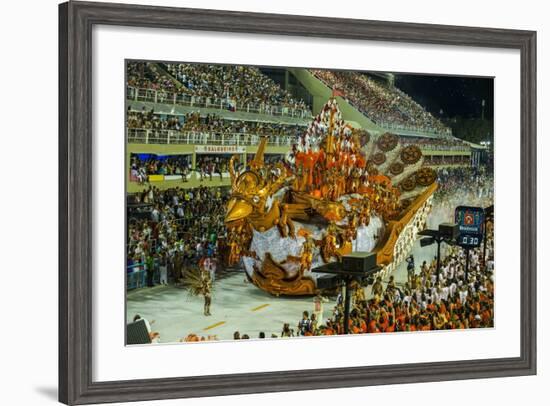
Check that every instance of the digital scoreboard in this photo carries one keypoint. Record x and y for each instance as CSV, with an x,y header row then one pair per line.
x,y
471,223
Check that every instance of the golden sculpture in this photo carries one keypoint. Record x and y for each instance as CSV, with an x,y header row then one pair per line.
x,y
337,178
306,257
330,247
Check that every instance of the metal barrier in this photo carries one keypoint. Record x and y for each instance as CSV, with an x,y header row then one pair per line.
x,y
162,96
149,136
389,125
438,147
135,277
138,278
409,128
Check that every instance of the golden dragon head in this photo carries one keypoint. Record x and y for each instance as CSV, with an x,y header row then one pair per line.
x,y
251,189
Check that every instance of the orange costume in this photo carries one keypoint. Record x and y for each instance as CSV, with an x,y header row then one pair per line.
x,y
307,161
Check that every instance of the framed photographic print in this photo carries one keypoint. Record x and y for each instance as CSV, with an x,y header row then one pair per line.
x,y
260,202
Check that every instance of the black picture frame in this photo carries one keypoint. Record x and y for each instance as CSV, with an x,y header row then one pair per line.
x,y
76,20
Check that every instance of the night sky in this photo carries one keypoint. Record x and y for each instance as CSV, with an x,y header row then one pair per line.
x,y
449,96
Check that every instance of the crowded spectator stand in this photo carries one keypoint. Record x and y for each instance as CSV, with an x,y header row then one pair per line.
x,y
181,231
448,298
177,229
387,106
232,88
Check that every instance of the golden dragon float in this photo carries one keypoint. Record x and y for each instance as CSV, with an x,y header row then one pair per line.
x,y
339,190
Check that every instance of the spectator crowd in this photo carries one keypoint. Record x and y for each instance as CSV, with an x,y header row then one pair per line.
x,y
206,166
457,298
209,126
244,84
182,227
437,144
449,298
209,165
387,106
233,87
447,160
147,75
143,165
457,186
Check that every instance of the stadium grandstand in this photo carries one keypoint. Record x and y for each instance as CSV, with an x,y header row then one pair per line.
x,y
185,121
189,127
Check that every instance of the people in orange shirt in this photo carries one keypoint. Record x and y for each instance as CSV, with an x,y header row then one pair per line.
x,y
390,328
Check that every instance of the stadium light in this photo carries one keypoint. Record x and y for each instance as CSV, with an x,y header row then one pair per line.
x,y
357,266
446,232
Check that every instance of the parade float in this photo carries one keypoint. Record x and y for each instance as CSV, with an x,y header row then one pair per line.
x,y
339,190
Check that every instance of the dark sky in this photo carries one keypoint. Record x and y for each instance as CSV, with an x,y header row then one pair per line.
x,y
453,95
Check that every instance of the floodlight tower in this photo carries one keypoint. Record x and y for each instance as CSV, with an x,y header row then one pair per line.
x,y
446,232
356,266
